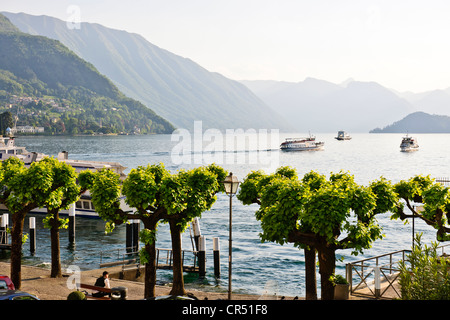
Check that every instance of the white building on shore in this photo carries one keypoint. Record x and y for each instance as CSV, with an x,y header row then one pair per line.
x,y
27,129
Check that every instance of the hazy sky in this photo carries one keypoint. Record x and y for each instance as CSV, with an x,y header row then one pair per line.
x,y
402,44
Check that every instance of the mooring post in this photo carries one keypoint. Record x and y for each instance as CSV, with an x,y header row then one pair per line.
x,y
202,256
4,228
32,235
216,251
129,236
197,233
377,275
349,276
72,223
136,227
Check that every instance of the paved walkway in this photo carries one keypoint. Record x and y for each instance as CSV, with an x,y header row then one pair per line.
x,y
37,281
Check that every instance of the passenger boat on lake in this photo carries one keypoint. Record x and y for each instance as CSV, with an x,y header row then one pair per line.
x,y
342,135
302,144
409,144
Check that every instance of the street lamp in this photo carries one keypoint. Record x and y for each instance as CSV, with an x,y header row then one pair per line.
x,y
231,185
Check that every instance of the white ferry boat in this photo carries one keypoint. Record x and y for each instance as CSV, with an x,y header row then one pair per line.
x,y
302,144
409,144
342,135
80,165
83,207
9,149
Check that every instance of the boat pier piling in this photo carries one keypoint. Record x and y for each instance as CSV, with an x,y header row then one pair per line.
x,y
197,232
201,255
72,223
4,220
32,228
132,235
216,253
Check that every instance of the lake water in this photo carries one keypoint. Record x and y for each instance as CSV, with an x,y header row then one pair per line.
x,y
256,265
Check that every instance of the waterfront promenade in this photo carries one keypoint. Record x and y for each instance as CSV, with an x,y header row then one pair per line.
x,y
36,280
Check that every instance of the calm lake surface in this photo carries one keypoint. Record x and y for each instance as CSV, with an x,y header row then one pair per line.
x,y
256,265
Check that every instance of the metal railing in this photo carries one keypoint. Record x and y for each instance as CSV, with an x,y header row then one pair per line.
x,y
369,277
166,262
117,257
443,181
164,259
378,280
4,239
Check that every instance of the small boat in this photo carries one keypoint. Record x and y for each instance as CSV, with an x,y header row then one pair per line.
x,y
409,144
342,135
302,144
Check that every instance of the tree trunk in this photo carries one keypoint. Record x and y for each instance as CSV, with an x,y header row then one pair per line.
x,y
150,265
327,265
150,271
54,236
178,280
310,274
16,249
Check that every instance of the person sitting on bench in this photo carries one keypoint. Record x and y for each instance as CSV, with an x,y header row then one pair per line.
x,y
103,282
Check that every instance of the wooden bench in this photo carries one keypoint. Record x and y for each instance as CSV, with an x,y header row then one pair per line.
x,y
101,289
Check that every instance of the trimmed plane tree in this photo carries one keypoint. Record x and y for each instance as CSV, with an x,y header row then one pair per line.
x,y
318,214
24,189
60,198
433,198
185,196
158,196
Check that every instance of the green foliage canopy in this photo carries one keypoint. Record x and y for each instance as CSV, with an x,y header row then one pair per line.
x,y
433,198
157,195
153,190
336,210
45,183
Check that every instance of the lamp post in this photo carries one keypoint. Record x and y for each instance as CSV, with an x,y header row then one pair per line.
x,y
231,185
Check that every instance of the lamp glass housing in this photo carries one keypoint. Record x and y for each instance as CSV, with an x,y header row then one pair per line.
x,y
231,184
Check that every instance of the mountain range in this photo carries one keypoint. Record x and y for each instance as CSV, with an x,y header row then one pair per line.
x,y
353,106
433,102
176,88
182,91
322,106
61,88
418,122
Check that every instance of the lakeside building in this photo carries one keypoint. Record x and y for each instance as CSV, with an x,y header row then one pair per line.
x,y
27,129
